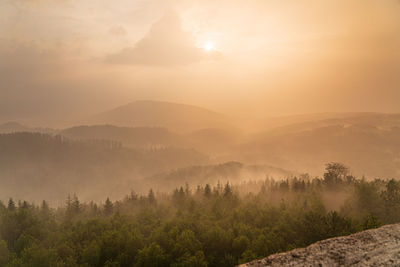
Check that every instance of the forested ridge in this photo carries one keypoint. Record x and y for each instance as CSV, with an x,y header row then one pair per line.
x,y
210,225
34,166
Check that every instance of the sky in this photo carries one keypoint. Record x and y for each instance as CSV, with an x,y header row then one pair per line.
x,y
61,60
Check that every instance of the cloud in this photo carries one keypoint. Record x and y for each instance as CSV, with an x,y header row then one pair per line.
x,y
46,81
166,44
117,30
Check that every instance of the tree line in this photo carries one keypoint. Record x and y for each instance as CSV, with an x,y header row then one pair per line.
x,y
210,225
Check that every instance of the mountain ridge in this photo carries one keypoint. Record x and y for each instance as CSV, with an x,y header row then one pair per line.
x,y
174,116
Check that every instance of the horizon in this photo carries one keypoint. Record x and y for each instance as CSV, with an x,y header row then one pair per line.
x,y
40,123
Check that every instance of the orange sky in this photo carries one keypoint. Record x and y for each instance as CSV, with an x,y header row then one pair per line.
x,y
64,59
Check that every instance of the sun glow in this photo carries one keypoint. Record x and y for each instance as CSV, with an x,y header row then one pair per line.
x,y
209,46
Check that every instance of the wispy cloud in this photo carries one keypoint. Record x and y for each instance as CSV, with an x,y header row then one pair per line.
x,y
165,44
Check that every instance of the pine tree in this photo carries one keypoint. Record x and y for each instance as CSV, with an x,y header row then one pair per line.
x,y
24,205
151,197
45,209
76,205
44,205
11,205
68,202
227,190
108,207
207,191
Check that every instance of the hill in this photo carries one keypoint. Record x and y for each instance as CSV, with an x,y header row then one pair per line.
x,y
176,117
367,142
214,140
289,120
211,141
376,247
15,127
37,166
139,137
280,125
11,126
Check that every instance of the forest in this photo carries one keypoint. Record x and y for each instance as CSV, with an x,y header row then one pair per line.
x,y
36,166
210,225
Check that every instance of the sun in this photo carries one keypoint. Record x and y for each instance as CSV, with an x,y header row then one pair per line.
x,y
209,46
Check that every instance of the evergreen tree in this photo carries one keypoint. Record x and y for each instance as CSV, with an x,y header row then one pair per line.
x,y
108,207
207,191
76,205
151,197
227,190
11,205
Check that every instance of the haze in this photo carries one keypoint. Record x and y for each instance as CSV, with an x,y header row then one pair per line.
x,y
61,61
198,132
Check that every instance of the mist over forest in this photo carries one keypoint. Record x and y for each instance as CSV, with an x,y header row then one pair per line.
x,y
182,133
152,188
113,159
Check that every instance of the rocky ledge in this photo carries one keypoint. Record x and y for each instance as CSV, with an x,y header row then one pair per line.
x,y
376,247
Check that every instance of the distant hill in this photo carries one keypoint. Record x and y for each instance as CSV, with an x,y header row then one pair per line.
x,y
175,117
213,140
367,142
15,127
139,137
10,127
281,125
36,166
280,121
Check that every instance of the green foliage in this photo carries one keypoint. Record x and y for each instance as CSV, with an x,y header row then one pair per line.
x,y
222,225
4,253
152,256
11,205
336,174
391,199
108,207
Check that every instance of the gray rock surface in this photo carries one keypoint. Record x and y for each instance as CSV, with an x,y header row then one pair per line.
x,y
376,247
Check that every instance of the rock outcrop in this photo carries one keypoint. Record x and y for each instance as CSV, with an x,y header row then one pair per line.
x,y
376,247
